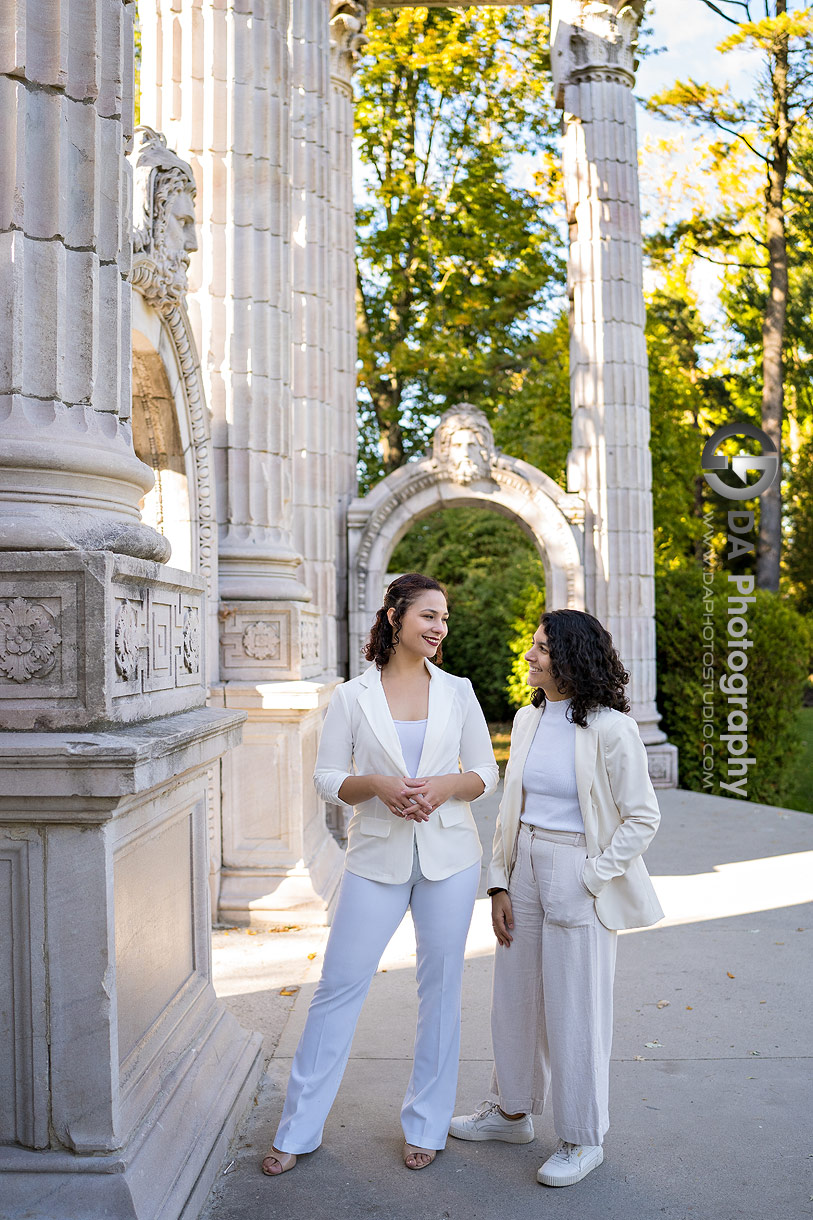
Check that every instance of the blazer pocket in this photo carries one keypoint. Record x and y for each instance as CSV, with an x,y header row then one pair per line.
x,y
451,813
375,826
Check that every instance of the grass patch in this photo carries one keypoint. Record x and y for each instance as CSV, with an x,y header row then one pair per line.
x,y
501,742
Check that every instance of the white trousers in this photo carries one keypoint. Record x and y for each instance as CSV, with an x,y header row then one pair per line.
x,y
552,1003
367,915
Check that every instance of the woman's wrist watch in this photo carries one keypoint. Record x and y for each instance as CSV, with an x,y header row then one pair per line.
x,y
497,889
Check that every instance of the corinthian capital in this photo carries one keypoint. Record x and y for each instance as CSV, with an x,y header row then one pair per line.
x,y
594,39
347,37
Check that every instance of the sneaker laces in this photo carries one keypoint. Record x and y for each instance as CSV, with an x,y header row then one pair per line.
x,y
566,1152
486,1108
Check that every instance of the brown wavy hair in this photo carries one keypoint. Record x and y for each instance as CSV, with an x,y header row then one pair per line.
x,y
584,662
399,596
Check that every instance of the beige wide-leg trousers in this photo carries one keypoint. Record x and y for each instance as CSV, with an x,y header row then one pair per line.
x,y
552,1004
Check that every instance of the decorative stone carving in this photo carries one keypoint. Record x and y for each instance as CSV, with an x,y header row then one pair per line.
x,y
262,641
594,40
604,43
309,639
464,444
190,635
164,232
28,640
127,642
347,37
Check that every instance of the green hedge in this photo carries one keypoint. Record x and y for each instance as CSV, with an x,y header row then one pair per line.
x,y
776,673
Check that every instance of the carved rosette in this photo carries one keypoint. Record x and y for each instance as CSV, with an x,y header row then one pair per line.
x,y
28,640
347,38
463,445
262,641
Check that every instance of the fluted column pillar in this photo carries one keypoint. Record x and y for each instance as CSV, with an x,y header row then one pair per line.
x,y
215,80
347,37
227,83
315,433
123,1075
69,478
593,64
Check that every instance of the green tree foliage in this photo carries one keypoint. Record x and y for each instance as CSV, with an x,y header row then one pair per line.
x,y
457,265
754,155
491,570
777,671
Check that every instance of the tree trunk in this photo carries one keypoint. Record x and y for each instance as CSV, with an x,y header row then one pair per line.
x,y
773,326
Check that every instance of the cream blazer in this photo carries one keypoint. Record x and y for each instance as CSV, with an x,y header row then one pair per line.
x,y
359,736
619,809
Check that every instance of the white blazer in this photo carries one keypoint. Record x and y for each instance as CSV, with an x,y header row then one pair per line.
x,y
618,805
359,736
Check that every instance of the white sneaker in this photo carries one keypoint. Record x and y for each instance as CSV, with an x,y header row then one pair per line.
x,y
569,1164
488,1123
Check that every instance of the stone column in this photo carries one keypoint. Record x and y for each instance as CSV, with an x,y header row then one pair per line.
x,y
593,64
315,414
218,80
215,80
347,37
68,475
121,1075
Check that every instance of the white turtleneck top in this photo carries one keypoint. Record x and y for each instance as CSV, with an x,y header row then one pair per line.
x,y
551,799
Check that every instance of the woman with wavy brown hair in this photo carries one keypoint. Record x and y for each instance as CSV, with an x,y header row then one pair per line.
x,y
578,809
407,746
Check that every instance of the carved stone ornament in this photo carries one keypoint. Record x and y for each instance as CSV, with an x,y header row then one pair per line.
x,y
262,641
28,640
347,37
464,444
163,220
190,635
605,40
127,642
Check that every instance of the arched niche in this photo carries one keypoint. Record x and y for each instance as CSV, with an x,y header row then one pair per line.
x,y
170,419
463,469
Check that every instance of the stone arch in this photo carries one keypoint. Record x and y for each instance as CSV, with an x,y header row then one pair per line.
x,y
463,469
170,422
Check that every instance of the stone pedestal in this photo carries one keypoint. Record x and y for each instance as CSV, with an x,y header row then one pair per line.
x,y
123,1077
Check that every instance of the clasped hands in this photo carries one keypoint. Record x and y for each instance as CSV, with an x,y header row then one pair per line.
x,y
414,799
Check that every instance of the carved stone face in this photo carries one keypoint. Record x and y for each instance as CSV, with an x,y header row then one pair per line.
x,y
179,233
466,455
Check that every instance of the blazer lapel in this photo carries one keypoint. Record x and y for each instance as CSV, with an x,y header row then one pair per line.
x,y
585,763
440,705
373,702
519,751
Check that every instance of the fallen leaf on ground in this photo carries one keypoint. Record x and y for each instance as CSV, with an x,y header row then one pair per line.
x,y
250,932
689,1008
640,1058
662,1004
289,990
311,956
730,975
655,1043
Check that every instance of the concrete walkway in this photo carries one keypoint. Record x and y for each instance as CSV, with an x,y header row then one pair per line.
x,y
711,1086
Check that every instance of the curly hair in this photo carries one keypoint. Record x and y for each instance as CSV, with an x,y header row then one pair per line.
x,y
583,661
398,597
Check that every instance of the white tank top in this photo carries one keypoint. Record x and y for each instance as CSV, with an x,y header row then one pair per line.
x,y
549,777
411,734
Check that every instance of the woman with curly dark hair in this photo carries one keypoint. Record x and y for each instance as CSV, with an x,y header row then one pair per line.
x,y
577,812
408,747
